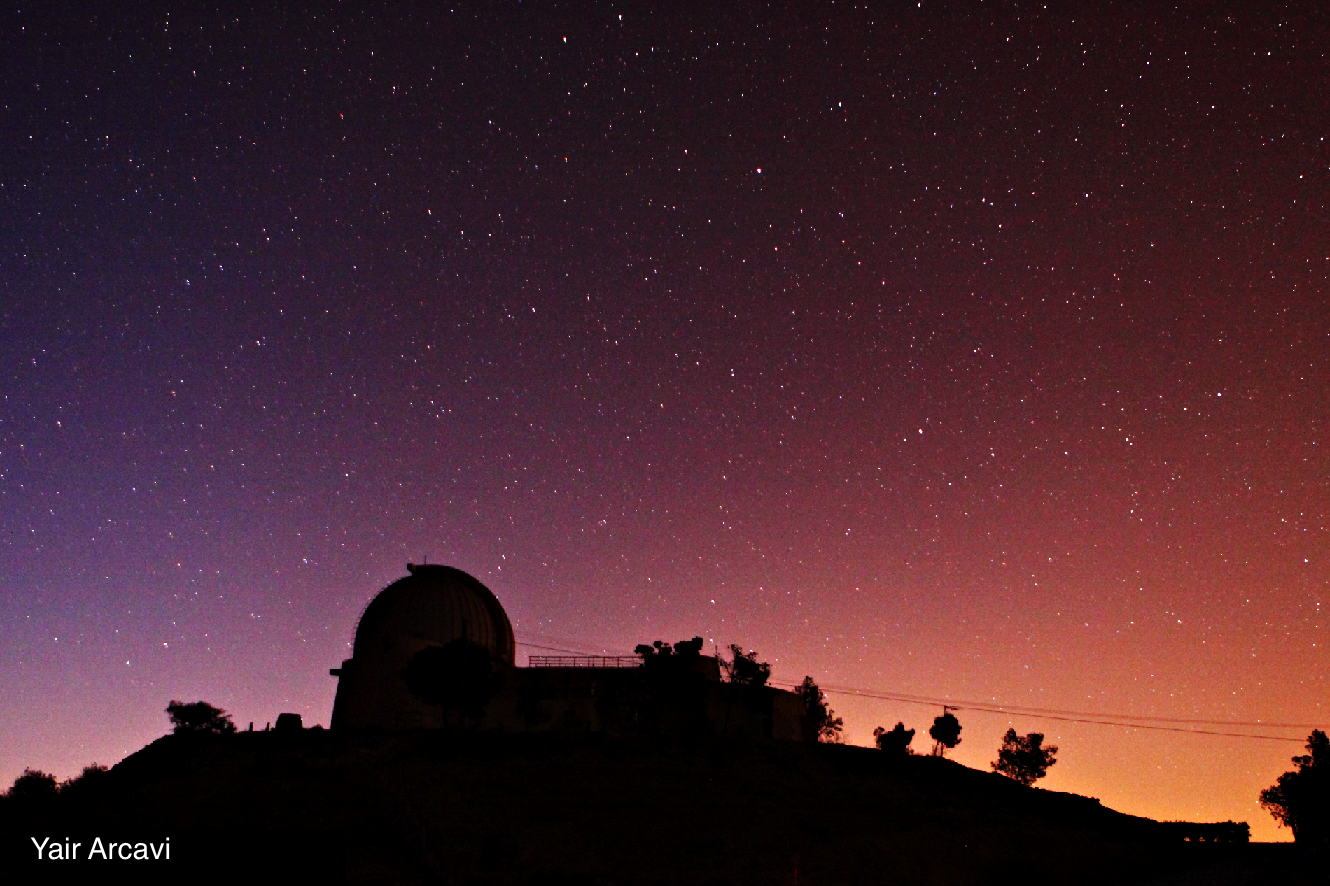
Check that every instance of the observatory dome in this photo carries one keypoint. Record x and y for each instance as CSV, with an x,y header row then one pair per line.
x,y
436,604
431,606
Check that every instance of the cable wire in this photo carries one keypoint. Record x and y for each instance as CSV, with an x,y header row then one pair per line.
x,y
1065,716
1025,712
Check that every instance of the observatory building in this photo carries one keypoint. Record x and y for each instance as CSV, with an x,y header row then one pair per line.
x,y
431,606
434,606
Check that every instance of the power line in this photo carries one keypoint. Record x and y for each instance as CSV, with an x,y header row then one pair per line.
x,y
1144,726
1022,709
1085,718
558,649
1062,715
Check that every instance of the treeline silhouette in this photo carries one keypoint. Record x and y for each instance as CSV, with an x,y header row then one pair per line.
x,y
1300,799
535,807
672,677
1208,832
37,787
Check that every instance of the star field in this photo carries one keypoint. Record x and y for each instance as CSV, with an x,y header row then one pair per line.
x,y
971,352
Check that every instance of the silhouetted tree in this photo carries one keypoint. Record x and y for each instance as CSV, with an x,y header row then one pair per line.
x,y
896,742
1024,758
673,671
747,678
744,669
946,733
86,781
458,676
199,716
820,720
661,656
33,786
673,687
1300,799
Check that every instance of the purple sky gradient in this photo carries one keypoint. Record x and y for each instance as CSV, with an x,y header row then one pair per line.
x,y
961,351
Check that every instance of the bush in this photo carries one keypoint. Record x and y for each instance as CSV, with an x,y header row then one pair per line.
x,y
896,742
85,782
199,716
33,786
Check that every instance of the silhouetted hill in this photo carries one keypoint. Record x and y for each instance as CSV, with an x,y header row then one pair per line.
x,y
419,807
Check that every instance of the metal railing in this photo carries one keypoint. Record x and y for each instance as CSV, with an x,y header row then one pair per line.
x,y
583,661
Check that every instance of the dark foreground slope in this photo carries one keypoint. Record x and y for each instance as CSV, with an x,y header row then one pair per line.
x,y
431,808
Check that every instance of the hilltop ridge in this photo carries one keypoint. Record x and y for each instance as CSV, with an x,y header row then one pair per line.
x,y
428,806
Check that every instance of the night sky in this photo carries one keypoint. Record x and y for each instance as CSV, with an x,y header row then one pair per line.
x,y
971,352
